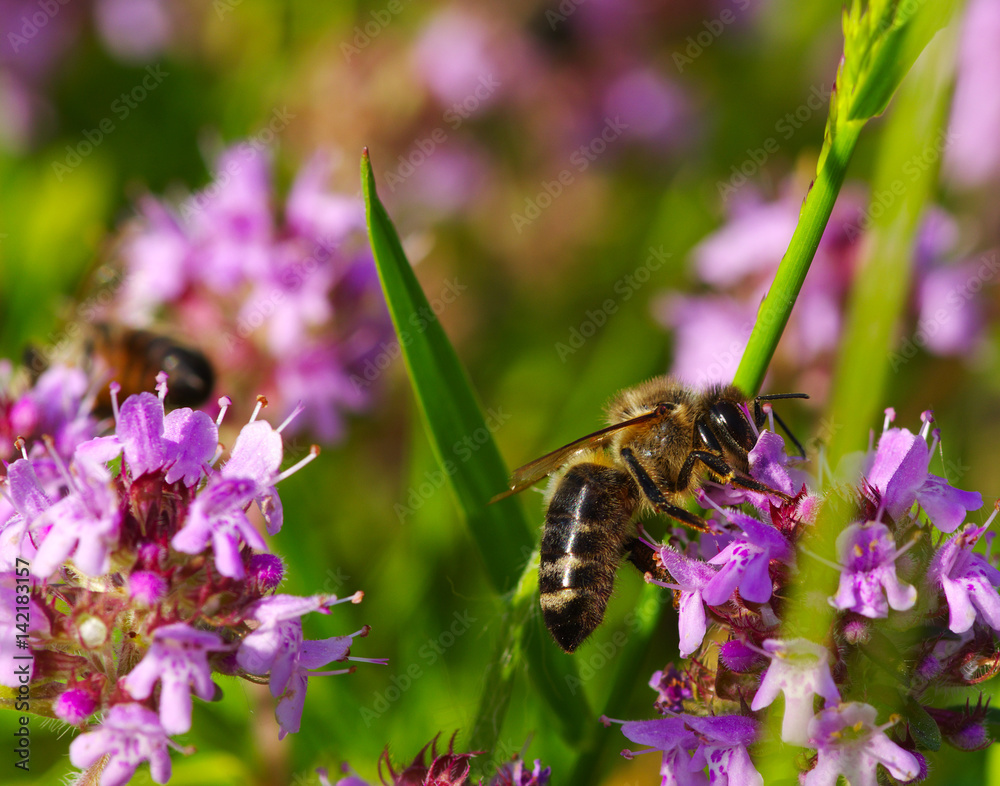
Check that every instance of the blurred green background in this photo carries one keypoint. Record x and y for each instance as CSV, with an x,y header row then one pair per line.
x,y
349,75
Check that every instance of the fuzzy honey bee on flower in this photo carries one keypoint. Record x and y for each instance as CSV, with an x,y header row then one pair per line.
x,y
664,442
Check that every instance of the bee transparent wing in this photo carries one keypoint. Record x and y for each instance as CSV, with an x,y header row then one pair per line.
x,y
531,473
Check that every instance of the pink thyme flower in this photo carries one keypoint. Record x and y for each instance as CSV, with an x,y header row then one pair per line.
x,y
27,502
277,648
968,580
801,670
171,607
868,583
692,577
745,561
84,525
177,659
129,735
691,743
182,442
849,743
899,472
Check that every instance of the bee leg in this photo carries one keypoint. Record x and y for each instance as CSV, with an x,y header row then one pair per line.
x,y
753,485
724,473
717,465
656,498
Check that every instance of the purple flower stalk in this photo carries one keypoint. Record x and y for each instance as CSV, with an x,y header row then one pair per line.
x,y
136,541
731,589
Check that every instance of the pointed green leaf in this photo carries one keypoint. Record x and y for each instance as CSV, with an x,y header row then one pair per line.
x,y
451,416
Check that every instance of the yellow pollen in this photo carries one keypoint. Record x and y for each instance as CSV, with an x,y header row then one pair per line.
x,y
858,551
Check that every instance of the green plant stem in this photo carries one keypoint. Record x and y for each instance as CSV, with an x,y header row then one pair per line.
x,y
877,303
452,415
777,305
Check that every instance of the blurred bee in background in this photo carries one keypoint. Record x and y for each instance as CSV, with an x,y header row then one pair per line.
x,y
664,442
107,351
133,357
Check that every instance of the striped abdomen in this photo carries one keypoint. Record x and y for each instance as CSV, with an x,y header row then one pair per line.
x,y
586,526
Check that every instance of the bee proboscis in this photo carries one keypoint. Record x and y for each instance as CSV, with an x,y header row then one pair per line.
x,y
664,441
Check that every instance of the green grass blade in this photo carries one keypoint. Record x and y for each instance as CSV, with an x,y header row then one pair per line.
x,y
448,405
451,414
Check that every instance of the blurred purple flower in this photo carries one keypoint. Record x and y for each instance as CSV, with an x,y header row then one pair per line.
x,y
654,108
454,53
950,319
972,156
133,30
848,743
801,670
290,307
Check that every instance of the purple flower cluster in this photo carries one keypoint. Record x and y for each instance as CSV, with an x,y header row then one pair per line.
x,y
939,603
291,308
143,574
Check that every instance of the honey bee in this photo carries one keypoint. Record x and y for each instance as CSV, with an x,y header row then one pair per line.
x,y
133,358
663,443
